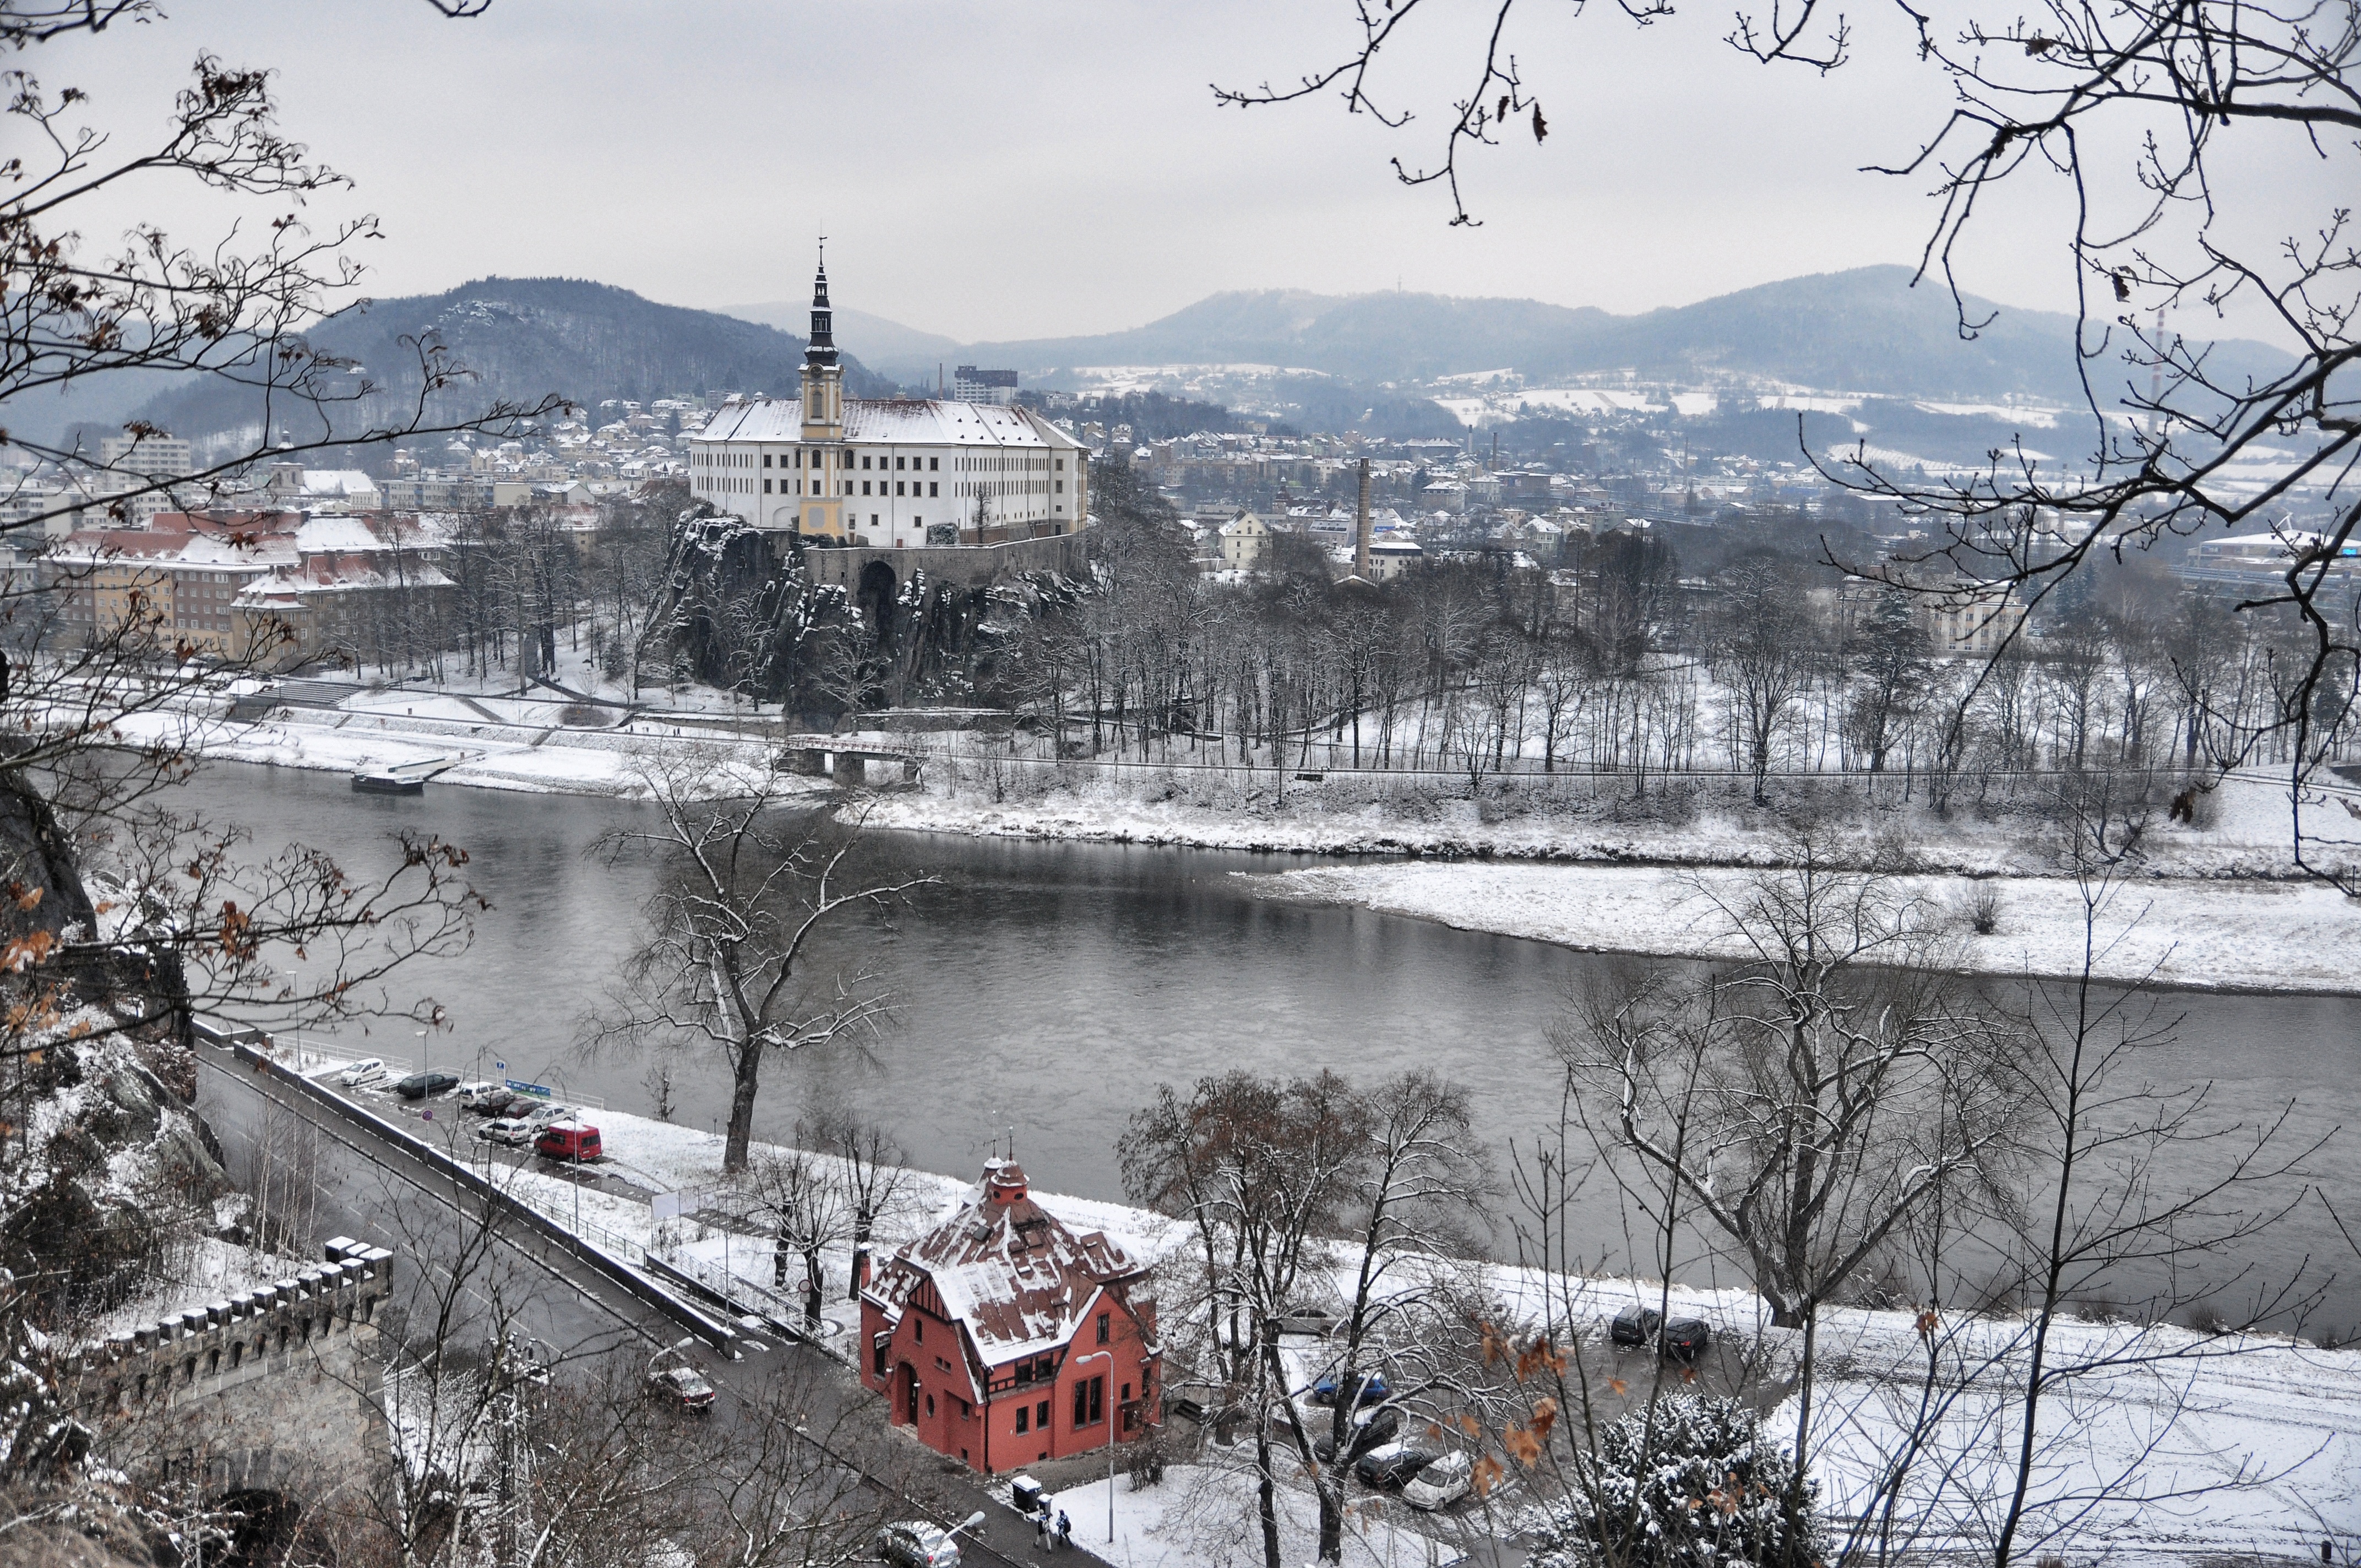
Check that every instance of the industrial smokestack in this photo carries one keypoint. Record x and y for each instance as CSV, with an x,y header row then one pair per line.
x,y
1361,527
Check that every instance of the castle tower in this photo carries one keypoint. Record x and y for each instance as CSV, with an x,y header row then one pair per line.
x,y
823,417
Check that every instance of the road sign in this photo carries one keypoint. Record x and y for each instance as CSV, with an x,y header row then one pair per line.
x,y
500,1066
540,1090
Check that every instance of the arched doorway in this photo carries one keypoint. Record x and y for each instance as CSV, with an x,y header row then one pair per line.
x,y
876,596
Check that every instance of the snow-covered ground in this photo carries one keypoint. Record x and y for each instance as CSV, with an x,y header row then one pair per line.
x,y
2258,936
2205,1445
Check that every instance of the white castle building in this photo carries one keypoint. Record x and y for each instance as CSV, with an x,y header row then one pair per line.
x,y
906,473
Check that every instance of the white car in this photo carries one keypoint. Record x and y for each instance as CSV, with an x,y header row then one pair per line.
x,y
916,1544
469,1093
1440,1483
544,1115
508,1130
368,1069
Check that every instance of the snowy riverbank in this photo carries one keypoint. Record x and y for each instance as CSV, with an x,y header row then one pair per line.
x,y
2216,906
2197,935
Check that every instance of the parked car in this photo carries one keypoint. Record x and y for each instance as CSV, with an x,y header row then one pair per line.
x,y
510,1130
1440,1483
1685,1339
1374,1430
1373,1389
917,1544
1635,1325
422,1085
368,1069
541,1112
1393,1464
482,1098
681,1387
576,1141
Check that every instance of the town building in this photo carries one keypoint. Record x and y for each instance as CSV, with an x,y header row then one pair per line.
x,y
1005,1339
901,472
969,385
272,587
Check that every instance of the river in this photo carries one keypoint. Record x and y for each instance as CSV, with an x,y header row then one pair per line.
x,y
1043,989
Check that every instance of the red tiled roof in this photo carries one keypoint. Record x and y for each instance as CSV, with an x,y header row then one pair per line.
x,y
1010,1271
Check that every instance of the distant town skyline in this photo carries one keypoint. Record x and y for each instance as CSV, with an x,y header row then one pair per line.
x,y
1059,168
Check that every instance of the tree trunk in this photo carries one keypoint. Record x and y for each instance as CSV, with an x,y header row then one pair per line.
x,y
741,1106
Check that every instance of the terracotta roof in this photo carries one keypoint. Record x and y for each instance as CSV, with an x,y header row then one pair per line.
x,y
1010,1271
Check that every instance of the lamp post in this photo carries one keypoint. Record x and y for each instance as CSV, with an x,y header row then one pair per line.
x,y
1108,1405
422,1048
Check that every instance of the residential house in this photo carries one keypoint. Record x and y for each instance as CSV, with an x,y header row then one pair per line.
x,y
1004,1338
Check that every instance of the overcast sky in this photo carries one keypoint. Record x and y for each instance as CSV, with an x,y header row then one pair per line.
x,y
1006,171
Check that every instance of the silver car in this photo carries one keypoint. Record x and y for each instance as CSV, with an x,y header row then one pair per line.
x,y
917,1544
510,1130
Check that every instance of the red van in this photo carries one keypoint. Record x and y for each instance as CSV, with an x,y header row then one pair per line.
x,y
567,1140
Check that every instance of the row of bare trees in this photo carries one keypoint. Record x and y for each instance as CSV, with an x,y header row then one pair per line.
x,y
1775,665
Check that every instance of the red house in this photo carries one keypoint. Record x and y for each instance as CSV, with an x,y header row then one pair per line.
x,y
1007,1339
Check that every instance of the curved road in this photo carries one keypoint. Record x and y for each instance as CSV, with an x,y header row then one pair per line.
x,y
298,1156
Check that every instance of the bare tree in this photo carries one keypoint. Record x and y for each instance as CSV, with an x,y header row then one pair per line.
x,y
1262,1172
1761,648
748,881
810,1209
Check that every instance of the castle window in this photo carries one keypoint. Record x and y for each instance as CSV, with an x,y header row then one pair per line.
x,y
934,464
898,486
766,487
864,459
933,488
901,462
864,486
766,459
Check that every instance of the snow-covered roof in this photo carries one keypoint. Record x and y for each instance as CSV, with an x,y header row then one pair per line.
x,y
899,421
1007,1269
350,482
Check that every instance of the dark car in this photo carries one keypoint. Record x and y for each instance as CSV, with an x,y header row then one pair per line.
x,y
1393,1464
423,1085
1378,1430
682,1389
1635,1325
1373,1389
1685,1339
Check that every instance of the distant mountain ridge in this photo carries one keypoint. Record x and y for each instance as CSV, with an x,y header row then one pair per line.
x,y
1866,330
522,339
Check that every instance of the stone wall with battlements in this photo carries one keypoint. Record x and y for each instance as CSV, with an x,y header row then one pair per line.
x,y
966,565
270,1389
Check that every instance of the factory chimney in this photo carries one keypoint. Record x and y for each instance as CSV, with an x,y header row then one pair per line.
x,y
1361,527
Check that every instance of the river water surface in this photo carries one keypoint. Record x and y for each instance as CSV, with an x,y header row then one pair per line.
x,y
1044,990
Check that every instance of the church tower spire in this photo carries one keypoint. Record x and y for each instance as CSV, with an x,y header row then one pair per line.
x,y
823,459
822,349
823,377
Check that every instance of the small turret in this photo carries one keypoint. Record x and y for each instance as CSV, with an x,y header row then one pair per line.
x,y
1004,1181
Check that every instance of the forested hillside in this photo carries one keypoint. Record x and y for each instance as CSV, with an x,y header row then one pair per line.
x,y
519,339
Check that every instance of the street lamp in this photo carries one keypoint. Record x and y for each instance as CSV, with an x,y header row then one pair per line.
x,y
1107,1356
422,1048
